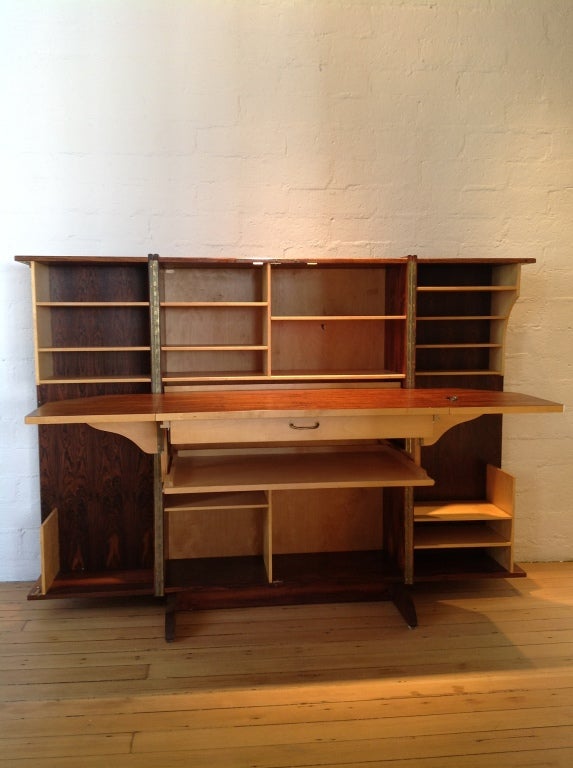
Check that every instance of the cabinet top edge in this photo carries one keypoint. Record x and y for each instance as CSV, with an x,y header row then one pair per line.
x,y
228,260
81,259
476,260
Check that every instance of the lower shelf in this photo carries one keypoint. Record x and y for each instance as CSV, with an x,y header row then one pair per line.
x,y
456,564
105,584
316,577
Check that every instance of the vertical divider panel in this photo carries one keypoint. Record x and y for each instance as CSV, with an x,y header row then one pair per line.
x,y
268,537
40,288
50,550
411,286
412,444
156,388
267,337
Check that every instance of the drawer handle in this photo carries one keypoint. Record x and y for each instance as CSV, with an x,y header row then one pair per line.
x,y
316,425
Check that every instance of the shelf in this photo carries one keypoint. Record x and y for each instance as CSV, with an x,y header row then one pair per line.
x,y
212,304
108,583
459,346
49,350
465,288
457,318
450,511
482,372
328,318
346,374
215,348
456,564
282,469
92,304
143,379
201,502
173,377
457,536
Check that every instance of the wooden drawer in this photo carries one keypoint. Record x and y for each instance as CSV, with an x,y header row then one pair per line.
x,y
202,431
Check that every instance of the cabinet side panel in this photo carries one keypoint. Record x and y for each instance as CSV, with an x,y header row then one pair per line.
x,y
102,485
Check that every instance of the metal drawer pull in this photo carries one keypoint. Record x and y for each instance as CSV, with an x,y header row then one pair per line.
x,y
316,425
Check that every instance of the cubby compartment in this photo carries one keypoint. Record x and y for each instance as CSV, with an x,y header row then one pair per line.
x,y
214,322
92,322
461,318
336,349
338,322
483,528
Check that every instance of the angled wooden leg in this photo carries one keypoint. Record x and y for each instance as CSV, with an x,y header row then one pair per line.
x,y
402,599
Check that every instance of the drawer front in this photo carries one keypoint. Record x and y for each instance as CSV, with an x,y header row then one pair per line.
x,y
296,429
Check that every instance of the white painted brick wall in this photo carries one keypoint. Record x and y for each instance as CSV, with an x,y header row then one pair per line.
x,y
288,128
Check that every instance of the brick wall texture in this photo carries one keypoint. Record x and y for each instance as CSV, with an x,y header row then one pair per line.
x,y
289,128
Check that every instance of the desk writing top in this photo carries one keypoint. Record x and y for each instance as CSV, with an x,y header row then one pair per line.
x,y
176,406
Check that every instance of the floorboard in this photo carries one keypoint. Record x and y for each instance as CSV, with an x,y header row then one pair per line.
x,y
485,679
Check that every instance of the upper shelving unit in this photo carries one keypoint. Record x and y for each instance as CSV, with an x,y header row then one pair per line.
x,y
289,321
213,322
91,321
461,315
98,320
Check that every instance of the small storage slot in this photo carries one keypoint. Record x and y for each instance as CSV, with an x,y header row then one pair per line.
x,y
486,525
82,283
241,283
92,366
215,525
326,347
455,330
329,290
213,327
458,535
79,326
327,520
212,364
471,359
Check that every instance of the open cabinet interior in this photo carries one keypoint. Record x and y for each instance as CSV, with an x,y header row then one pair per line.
x,y
234,503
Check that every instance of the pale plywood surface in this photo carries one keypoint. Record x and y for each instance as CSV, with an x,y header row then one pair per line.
x,y
385,467
486,679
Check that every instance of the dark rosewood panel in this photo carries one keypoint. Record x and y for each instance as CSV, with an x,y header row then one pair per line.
x,y
102,485
98,282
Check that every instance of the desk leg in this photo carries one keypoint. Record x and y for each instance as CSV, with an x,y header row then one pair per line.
x,y
402,599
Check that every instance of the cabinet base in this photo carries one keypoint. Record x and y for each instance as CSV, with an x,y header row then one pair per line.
x,y
104,584
302,578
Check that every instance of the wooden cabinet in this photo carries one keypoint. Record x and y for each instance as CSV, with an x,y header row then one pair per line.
x,y
251,431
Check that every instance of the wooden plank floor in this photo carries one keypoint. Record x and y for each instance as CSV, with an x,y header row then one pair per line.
x,y
485,680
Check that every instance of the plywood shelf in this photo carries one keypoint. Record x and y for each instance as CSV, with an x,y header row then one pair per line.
x,y
465,288
222,304
212,501
466,511
458,318
276,469
328,318
458,536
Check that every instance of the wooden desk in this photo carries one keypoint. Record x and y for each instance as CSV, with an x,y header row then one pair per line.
x,y
328,429
177,424
273,415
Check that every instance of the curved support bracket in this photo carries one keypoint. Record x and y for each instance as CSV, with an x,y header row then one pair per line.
x,y
142,433
443,423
